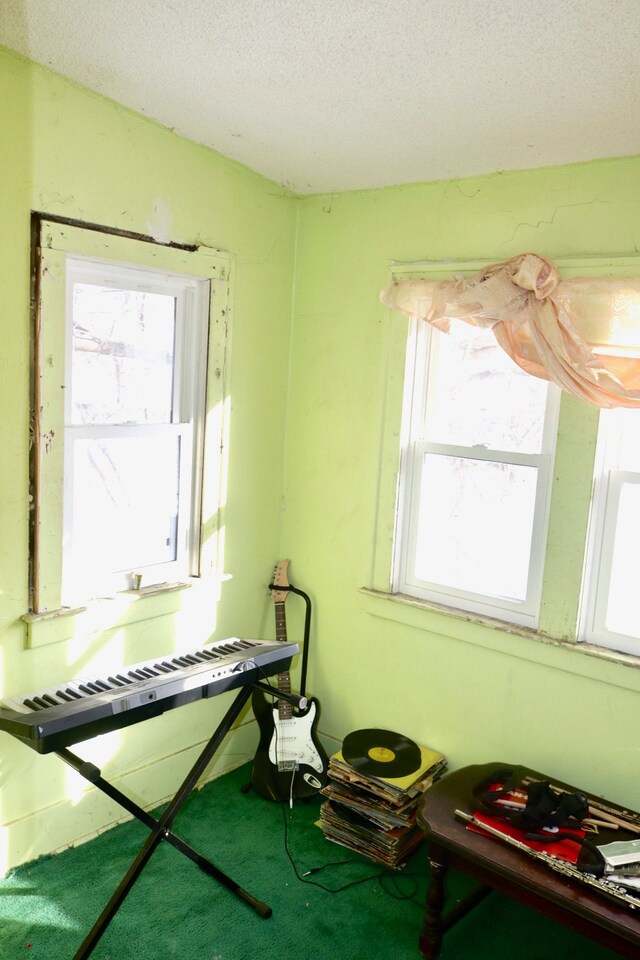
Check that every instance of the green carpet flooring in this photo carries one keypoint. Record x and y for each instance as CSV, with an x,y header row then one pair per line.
x,y
174,910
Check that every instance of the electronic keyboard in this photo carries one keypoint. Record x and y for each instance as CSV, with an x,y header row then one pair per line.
x,y
68,713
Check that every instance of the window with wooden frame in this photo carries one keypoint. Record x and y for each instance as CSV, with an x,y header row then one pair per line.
x,y
129,353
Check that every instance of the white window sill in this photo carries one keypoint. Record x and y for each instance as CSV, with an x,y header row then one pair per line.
x,y
587,660
123,609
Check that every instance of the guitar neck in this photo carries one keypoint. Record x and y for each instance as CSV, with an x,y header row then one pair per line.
x,y
284,680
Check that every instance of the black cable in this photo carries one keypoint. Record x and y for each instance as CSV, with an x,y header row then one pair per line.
x,y
303,878
394,880
385,877
392,877
283,804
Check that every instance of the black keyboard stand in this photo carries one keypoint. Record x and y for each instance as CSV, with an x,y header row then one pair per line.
x,y
161,828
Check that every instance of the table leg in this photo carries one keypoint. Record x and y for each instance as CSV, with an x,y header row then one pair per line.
x,y
433,927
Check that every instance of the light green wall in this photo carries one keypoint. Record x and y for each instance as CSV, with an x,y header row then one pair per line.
x,y
69,153
308,404
475,693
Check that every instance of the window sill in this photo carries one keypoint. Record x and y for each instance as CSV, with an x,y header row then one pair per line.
x,y
586,660
121,610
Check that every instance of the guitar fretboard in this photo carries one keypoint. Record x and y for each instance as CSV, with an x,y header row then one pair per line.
x,y
284,680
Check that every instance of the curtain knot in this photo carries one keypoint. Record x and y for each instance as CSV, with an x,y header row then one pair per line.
x,y
529,271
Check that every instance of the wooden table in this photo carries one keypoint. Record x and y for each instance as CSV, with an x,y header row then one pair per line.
x,y
508,870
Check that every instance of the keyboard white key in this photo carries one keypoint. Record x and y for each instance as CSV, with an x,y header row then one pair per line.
x,y
160,666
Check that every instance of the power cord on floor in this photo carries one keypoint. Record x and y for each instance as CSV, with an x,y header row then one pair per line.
x,y
304,878
390,880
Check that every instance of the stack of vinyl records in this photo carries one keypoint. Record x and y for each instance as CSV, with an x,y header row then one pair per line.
x,y
374,787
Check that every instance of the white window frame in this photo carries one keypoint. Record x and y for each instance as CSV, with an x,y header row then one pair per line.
x,y
203,277
421,343
562,608
609,480
189,377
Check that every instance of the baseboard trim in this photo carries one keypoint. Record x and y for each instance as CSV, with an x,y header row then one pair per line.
x,y
76,822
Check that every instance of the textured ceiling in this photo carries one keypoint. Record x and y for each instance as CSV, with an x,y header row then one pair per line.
x,y
328,95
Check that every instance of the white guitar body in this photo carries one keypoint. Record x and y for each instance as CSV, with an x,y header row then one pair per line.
x,y
290,762
292,743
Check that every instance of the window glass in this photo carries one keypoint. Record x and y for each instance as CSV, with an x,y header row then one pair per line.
x,y
478,395
475,522
628,456
610,614
123,355
475,475
622,611
135,365
125,498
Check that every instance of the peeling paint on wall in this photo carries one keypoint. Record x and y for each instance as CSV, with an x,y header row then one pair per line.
x,y
159,227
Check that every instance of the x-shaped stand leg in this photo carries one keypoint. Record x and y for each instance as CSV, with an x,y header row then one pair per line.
x,y
161,828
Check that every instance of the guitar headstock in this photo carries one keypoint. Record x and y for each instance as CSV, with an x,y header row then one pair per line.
x,y
280,579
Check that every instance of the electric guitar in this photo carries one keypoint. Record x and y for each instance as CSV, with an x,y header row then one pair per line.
x,y
290,762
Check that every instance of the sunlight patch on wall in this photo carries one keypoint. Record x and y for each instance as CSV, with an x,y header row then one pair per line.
x,y
107,655
216,459
97,657
197,618
214,497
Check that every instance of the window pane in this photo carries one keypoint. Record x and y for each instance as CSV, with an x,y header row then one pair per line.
x,y
629,455
478,395
475,524
623,612
123,355
125,503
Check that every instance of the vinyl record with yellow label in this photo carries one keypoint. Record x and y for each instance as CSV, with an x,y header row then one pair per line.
x,y
381,753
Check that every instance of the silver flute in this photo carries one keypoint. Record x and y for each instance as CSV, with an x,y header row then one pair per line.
x,y
560,866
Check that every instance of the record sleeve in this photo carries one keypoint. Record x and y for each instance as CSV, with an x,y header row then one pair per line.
x,y
428,759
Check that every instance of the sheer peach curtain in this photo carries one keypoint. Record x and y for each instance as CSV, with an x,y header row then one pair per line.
x,y
582,334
